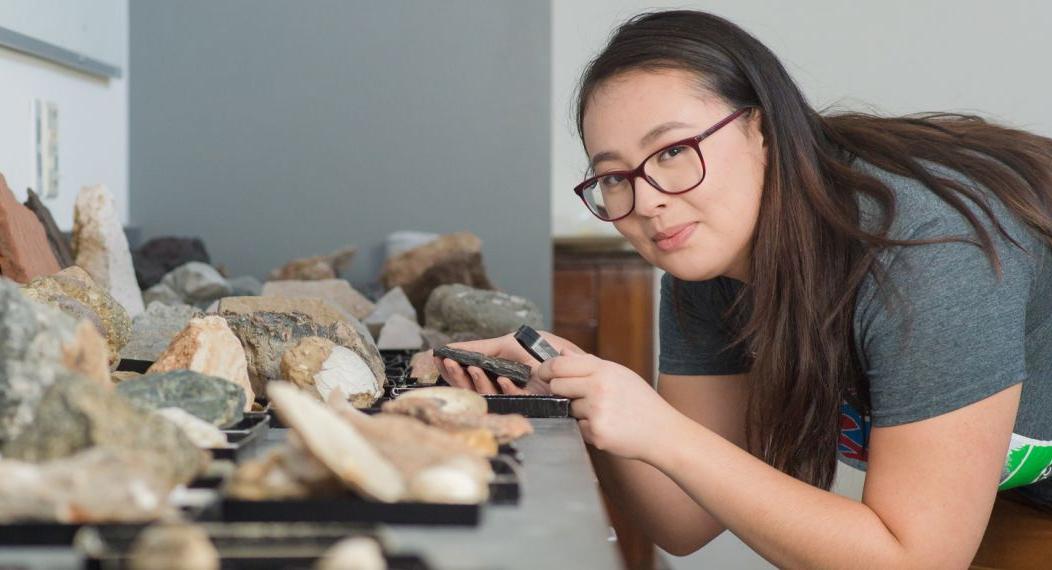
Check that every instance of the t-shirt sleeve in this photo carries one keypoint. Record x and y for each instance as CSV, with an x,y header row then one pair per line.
x,y
943,330
694,338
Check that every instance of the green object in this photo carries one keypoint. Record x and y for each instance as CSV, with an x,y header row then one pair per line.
x,y
1028,461
214,400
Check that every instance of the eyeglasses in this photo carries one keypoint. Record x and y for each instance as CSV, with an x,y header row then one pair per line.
x,y
673,169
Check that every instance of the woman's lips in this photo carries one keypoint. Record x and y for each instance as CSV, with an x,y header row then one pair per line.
x,y
677,239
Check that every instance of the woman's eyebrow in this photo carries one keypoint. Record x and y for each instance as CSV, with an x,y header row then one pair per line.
x,y
660,130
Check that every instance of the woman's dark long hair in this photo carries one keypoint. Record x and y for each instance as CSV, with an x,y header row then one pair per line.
x,y
809,255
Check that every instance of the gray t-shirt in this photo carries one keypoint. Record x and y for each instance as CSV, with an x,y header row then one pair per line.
x,y
959,335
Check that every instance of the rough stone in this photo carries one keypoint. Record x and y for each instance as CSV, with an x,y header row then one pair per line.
x,y
452,258
101,248
98,485
400,333
397,243
158,256
460,309
317,267
73,292
55,238
153,330
37,344
435,339
123,375
173,547
394,302
285,472
422,368
245,286
268,326
214,400
493,367
161,293
338,292
197,283
357,552
318,367
207,345
203,434
76,414
24,249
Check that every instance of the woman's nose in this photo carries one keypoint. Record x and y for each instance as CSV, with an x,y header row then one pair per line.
x,y
649,200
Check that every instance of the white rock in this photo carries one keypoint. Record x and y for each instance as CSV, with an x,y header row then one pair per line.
x,y
345,370
355,553
449,482
200,432
161,293
394,302
400,333
403,241
101,247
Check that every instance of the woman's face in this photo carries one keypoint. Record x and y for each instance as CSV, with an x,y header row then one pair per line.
x,y
700,234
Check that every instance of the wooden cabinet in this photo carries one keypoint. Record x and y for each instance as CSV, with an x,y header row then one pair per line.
x,y
604,303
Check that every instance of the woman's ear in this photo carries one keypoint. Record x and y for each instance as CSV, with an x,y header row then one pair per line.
x,y
754,122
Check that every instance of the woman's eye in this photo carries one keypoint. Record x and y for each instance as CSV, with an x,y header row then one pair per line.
x,y
611,180
672,152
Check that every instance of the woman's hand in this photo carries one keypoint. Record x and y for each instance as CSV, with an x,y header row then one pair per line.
x,y
473,378
618,411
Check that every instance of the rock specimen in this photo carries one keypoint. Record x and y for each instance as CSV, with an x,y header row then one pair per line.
x,y
285,472
400,333
122,375
214,400
453,258
338,292
101,248
197,283
504,427
173,547
400,242
422,368
317,267
493,367
245,286
207,345
450,399
394,302
202,433
268,326
435,339
55,238
73,292
356,552
37,344
460,309
76,414
162,293
337,444
318,366
24,249
98,485
153,330
155,258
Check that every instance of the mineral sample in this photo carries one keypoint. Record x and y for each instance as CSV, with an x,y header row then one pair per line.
x,y
450,399
354,553
493,367
197,283
101,248
459,309
394,302
202,433
338,292
37,344
268,326
73,292
400,333
318,267
435,339
318,366
173,547
207,345
504,427
337,444
153,330
422,368
158,256
453,258
76,414
400,242
285,472
214,400
97,485
123,375
24,249
162,293
245,286
55,238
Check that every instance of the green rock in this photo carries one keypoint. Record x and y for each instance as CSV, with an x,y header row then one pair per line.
x,y
214,400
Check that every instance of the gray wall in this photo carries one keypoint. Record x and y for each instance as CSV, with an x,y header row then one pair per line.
x,y
277,129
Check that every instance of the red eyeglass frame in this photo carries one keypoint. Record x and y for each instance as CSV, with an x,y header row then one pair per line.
x,y
637,172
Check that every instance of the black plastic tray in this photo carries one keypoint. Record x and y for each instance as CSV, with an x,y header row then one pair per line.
x,y
529,406
244,437
133,365
243,546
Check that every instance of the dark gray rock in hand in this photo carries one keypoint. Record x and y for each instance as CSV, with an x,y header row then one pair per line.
x,y
493,367
214,400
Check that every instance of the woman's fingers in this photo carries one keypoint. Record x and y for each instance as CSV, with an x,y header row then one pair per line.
x,y
481,382
579,408
569,365
454,373
571,387
509,387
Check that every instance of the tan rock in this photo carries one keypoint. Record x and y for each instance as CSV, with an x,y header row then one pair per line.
x,y
88,354
207,345
452,258
357,552
423,369
101,247
319,366
24,249
173,547
317,267
452,400
121,375
338,292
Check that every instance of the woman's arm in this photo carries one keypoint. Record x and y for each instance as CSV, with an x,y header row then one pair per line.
x,y
929,490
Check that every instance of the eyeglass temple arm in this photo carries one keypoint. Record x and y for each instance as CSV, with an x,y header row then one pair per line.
x,y
721,124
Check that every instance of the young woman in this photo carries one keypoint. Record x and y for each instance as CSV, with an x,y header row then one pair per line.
x,y
874,288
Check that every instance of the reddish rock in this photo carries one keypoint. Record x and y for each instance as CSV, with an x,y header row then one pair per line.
x,y
55,238
24,249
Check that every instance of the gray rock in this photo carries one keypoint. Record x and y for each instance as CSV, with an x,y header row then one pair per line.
x,y
197,283
493,367
460,309
400,242
394,302
161,293
76,414
435,339
245,286
153,330
400,333
214,400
